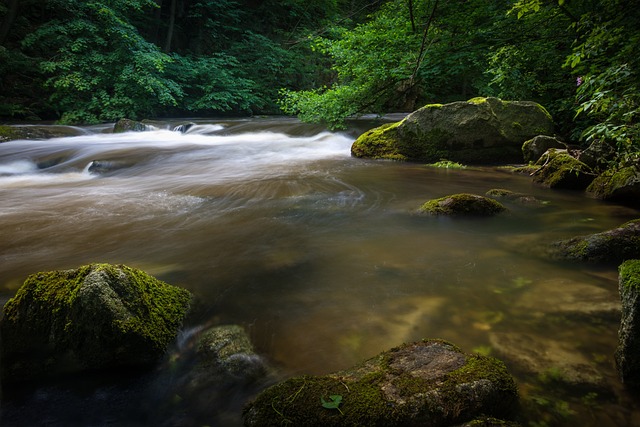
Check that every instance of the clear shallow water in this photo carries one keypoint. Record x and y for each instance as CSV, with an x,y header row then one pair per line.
x,y
320,256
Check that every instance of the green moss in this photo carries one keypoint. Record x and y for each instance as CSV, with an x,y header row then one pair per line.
x,y
95,316
379,392
8,133
560,170
462,204
477,100
630,275
607,184
378,143
429,146
447,164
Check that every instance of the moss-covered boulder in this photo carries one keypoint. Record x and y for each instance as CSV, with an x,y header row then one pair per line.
x,y
535,147
462,204
481,130
561,170
620,185
611,246
628,352
428,383
128,125
94,317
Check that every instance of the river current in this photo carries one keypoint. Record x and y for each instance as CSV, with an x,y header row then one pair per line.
x,y
321,257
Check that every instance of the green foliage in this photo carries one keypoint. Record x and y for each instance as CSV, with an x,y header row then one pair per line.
x,y
606,60
211,84
101,68
369,63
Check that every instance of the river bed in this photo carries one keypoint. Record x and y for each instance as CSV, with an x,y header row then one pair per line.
x,y
320,256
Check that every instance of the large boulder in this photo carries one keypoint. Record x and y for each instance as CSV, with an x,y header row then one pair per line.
x,y
94,317
620,185
430,382
481,130
558,169
462,204
628,352
611,246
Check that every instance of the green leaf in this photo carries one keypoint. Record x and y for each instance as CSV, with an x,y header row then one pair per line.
x,y
333,403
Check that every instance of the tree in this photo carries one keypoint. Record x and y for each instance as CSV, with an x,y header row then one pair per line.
x,y
407,53
98,66
604,61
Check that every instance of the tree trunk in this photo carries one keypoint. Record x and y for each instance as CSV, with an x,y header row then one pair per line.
x,y
172,23
7,22
154,34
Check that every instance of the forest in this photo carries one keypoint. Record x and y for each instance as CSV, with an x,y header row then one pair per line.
x,y
79,61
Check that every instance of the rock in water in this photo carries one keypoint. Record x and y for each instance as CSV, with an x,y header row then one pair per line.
x,y
558,169
481,130
94,317
611,246
128,125
462,204
618,185
430,383
628,351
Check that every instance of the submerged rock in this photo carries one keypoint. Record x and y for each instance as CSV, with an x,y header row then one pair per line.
x,y
618,185
561,170
628,352
208,378
481,130
611,246
462,204
550,360
512,196
568,299
11,132
225,352
430,382
534,148
94,317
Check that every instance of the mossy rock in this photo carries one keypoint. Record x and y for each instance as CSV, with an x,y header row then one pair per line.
x,y
609,247
462,204
535,147
481,130
226,352
13,132
598,154
379,143
558,169
627,353
620,185
128,125
431,382
95,317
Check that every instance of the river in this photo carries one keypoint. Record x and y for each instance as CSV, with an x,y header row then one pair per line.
x,y
320,256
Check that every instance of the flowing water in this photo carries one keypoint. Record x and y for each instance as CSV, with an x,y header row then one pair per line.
x,y
320,256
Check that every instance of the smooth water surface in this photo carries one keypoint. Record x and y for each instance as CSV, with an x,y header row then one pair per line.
x,y
320,256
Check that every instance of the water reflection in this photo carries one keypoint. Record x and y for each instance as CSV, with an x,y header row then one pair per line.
x,y
320,256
